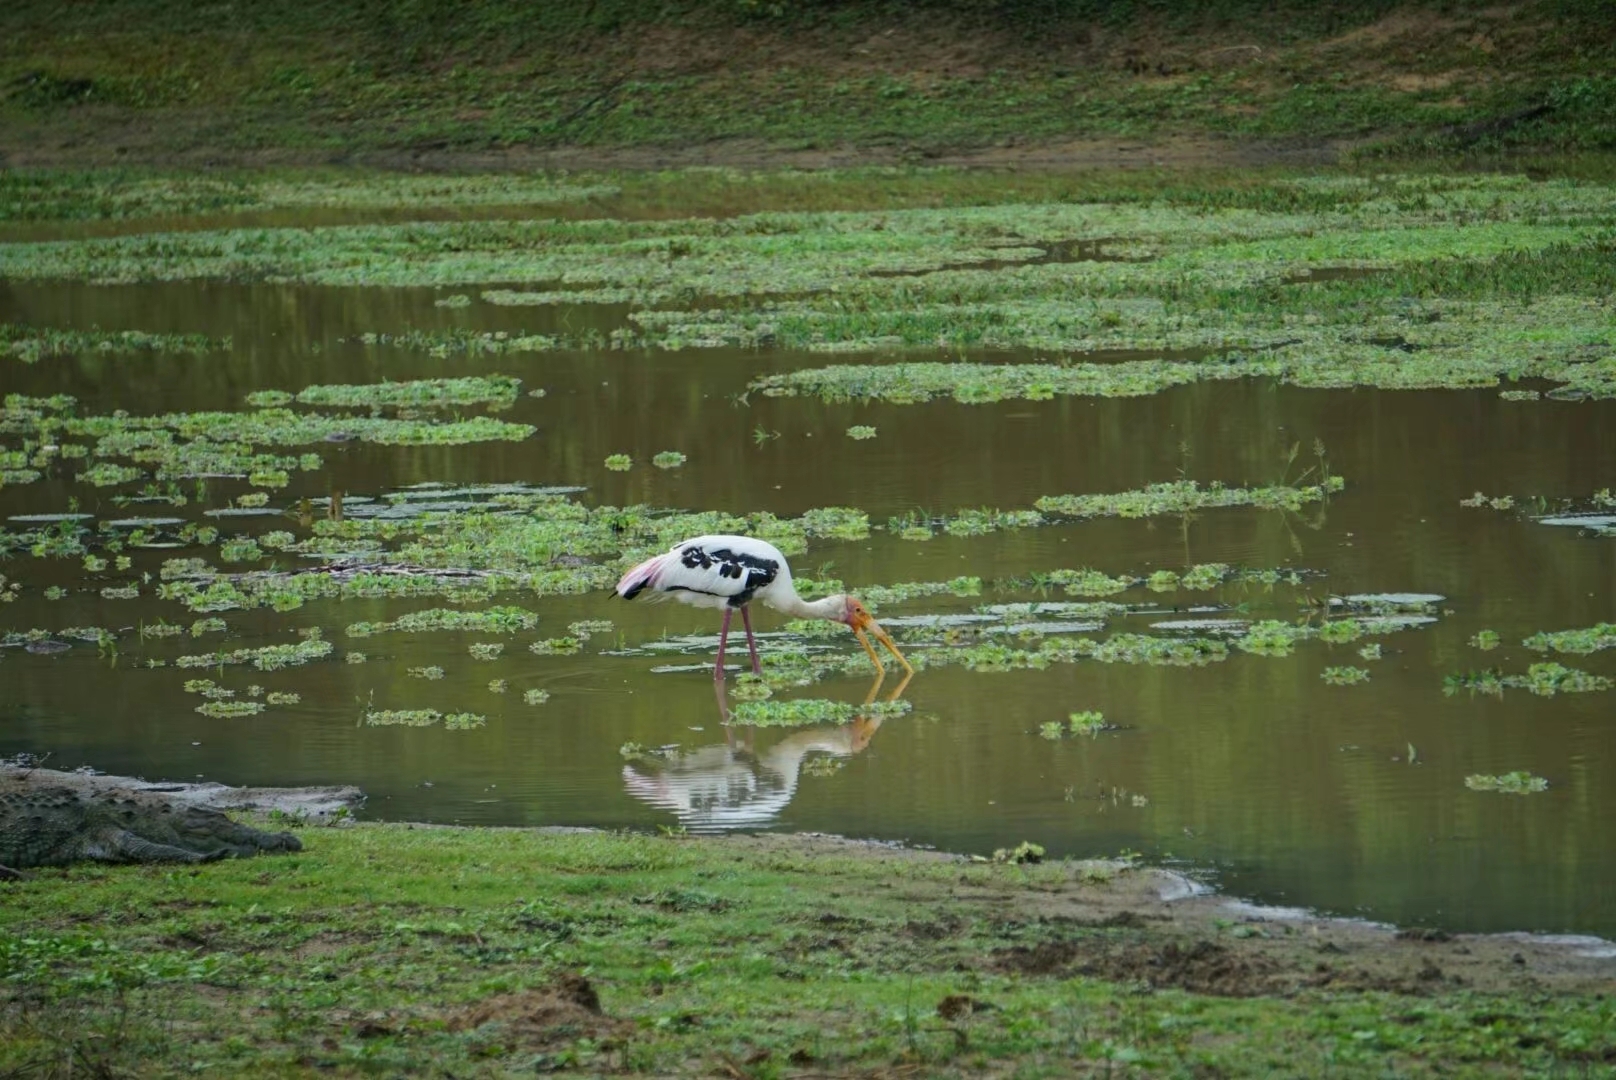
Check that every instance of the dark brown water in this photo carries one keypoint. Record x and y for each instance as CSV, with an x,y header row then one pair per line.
x,y
1254,770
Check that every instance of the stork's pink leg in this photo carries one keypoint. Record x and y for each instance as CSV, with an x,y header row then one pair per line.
x,y
723,639
751,645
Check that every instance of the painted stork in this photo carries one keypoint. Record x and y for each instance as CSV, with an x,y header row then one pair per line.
x,y
730,572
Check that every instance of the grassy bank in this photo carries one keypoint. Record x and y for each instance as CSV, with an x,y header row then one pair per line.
x,y
731,80
474,952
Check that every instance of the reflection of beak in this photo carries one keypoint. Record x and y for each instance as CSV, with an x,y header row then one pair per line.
x,y
885,639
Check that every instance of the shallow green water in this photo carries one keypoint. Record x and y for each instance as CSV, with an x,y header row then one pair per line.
x,y
1252,769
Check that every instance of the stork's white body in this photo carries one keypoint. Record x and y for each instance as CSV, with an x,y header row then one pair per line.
x,y
729,572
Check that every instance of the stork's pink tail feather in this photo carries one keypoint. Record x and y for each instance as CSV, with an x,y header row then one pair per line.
x,y
636,580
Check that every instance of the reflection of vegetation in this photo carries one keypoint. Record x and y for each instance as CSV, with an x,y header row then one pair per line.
x,y
1512,783
1485,640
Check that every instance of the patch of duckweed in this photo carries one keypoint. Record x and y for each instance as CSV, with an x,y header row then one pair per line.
x,y
494,620
223,709
1272,638
32,344
1340,631
264,658
1344,676
1180,496
750,687
668,459
402,717
1544,680
1577,642
619,462
800,712
496,390
1510,783
861,431
1088,722
107,474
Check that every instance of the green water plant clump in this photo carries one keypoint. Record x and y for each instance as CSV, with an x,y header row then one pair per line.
x,y
1544,680
1579,642
31,344
860,432
494,620
800,712
1344,676
1510,783
264,658
619,462
668,459
402,717
1180,496
496,390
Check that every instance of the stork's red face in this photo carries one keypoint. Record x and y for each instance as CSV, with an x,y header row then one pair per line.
x,y
859,618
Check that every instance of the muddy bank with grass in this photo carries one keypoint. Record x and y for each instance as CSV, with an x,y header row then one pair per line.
x,y
432,948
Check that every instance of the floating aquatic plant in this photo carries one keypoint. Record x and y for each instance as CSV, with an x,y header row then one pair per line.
x,y
1370,651
497,686
403,717
485,650
1088,722
861,431
283,697
265,658
1179,496
1344,676
418,393
799,712
230,708
463,721
1511,783
535,697
432,672
668,459
619,462
1579,642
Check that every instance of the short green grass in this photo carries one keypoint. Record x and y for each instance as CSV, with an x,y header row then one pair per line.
x,y
368,952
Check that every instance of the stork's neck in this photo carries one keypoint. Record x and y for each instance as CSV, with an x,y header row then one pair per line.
x,y
833,608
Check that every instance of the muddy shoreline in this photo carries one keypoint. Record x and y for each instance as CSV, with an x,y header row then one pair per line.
x,y
1173,930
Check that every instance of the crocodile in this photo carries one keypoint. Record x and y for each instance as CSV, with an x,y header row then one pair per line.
x,y
50,818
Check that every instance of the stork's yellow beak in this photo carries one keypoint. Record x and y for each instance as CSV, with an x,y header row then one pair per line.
x,y
867,623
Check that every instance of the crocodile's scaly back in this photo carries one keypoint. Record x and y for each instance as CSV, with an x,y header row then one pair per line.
x,y
54,826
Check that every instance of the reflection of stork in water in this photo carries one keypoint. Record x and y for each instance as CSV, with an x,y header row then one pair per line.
x,y
730,786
